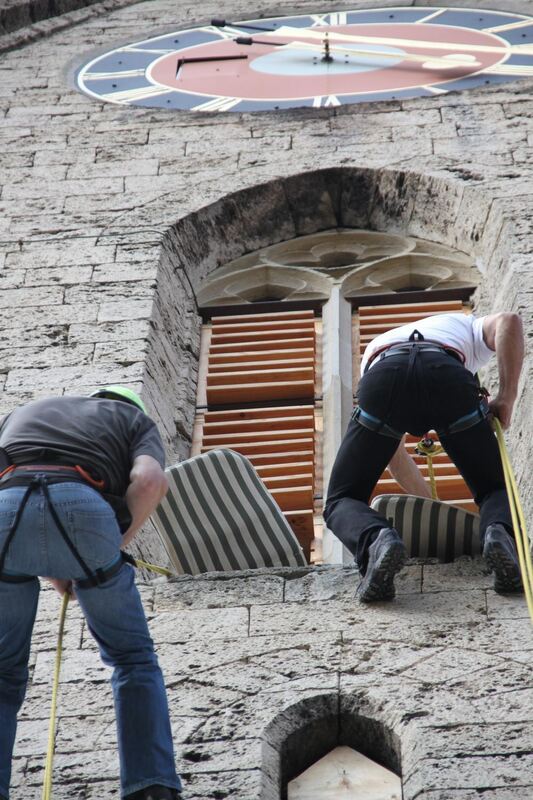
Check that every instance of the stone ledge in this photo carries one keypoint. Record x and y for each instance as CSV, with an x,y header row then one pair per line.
x,y
26,21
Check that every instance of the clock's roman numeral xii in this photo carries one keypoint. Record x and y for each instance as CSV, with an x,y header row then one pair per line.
x,y
338,18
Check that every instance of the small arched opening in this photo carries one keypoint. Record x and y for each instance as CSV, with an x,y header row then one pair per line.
x,y
317,749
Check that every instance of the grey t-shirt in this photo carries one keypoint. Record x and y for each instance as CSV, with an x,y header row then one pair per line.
x,y
102,436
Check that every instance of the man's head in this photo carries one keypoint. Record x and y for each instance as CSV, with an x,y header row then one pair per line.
x,y
120,393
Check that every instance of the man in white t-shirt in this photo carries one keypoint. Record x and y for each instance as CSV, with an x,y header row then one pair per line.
x,y
415,378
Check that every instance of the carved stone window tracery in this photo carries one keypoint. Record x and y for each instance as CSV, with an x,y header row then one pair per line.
x,y
360,262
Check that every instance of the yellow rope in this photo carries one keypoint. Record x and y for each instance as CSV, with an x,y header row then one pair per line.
x,y
427,447
154,568
519,522
47,786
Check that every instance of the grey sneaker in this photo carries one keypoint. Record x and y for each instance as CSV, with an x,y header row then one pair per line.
x,y
386,557
499,551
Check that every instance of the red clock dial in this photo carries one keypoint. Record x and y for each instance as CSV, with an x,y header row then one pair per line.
x,y
270,71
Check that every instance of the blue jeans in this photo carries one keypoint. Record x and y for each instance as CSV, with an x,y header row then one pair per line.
x,y
115,617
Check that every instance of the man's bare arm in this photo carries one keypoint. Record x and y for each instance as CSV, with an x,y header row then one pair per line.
x,y
503,333
148,486
405,472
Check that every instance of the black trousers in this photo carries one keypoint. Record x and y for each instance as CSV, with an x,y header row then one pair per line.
x,y
414,393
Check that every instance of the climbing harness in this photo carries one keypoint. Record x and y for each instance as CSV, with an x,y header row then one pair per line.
x,y
374,424
519,524
462,424
415,345
39,480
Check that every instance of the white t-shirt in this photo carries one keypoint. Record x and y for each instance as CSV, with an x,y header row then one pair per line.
x,y
463,332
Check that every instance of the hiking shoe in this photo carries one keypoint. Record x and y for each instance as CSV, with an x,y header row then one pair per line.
x,y
155,793
386,556
499,551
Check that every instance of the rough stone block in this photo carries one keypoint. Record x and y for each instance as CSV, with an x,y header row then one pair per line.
x,y
218,591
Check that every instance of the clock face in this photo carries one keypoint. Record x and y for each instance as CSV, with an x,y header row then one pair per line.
x,y
315,60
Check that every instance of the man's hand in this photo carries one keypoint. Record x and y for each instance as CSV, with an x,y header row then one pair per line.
x,y
148,486
61,586
502,409
503,333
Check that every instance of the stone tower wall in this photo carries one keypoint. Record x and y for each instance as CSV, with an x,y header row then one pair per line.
x,y
103,208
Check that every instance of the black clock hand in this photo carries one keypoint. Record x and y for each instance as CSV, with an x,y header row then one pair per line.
x,y
327,49
222,23
182,61
248,40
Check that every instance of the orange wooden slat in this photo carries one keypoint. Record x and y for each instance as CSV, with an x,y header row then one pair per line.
x,y
400,318
374,329
442,305
284,481
260,376
270,412
240,339
278,315
227,439
294,498
263,366
245,326
260,392
297,343
259,424
279,446
288,456
216,358
283,469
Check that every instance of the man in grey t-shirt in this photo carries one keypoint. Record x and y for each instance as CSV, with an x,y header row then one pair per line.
x,y
69,456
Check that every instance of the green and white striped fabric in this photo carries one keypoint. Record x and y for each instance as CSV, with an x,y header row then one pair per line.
x,y
219,516
429,528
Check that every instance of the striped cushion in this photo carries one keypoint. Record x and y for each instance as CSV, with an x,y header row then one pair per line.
x,y
219,516
429,528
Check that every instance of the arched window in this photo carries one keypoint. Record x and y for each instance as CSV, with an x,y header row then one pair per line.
x,y
283,331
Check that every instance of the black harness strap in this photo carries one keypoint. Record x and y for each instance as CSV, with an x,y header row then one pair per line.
x,y
412,348
94,578
12,532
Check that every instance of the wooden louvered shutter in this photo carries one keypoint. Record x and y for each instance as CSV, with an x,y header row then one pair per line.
x,y
374,320
260,381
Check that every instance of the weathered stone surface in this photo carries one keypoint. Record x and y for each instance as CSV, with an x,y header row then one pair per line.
x,y
184,592
102,209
